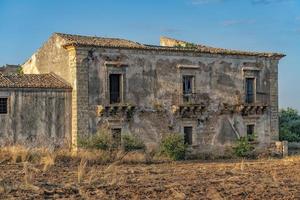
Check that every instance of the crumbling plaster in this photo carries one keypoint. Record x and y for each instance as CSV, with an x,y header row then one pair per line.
x,y
152,85
36,118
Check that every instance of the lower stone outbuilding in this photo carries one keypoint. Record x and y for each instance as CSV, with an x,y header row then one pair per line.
x,y
34,110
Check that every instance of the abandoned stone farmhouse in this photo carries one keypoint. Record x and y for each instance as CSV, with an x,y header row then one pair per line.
x,y
75,85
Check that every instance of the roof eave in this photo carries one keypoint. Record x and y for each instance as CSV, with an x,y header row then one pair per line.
x,y
254,54
36,88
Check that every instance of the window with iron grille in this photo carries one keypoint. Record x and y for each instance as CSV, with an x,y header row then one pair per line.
x,y
3,106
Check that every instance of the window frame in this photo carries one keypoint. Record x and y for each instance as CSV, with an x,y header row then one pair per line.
x,y
246,91
120,88
7,105
188,139
253,131
185,96
113,68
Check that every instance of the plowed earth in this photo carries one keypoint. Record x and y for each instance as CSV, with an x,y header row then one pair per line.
x,y
261,179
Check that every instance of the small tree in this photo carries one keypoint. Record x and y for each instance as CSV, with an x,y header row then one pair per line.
x,y
289,125
173,146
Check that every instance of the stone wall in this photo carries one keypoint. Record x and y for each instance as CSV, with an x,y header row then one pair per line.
x,y
51,57
36,118
79,77
152,83
152,104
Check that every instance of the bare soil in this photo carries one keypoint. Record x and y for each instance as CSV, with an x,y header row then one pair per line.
x,y
260,179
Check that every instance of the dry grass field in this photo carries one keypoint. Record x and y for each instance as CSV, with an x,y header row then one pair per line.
x,y
59,176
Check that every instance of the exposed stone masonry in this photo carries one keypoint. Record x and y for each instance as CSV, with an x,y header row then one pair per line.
x,y
151,89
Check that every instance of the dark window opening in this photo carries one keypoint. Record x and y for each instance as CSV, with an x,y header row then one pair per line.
x,y
116,135
250,132
187,86
188,135
115,88
250,90
3,106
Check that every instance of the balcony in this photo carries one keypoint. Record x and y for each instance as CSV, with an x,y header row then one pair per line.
x,y
262,98
257,107
190,99
116,110
190,105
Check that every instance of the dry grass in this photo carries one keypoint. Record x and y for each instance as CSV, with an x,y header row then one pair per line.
x,y
29,172
48,160
42,174
81,170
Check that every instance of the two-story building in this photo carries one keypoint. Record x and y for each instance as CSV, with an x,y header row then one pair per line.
x,y
210,95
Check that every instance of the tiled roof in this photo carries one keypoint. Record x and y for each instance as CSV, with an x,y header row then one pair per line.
x,y
49,81
78,40
98,41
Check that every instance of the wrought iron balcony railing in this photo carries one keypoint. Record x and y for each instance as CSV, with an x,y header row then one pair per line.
x,y
189,99
261,98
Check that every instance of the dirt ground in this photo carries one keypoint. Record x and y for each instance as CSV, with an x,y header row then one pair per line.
x,y
69,179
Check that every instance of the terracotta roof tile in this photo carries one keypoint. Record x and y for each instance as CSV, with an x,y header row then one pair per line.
x,y
98,41
79,40
49,81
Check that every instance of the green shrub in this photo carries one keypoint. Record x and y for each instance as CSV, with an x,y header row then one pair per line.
x,y
243,147
132,143
173,146
289,125
101,140
20,71
287,135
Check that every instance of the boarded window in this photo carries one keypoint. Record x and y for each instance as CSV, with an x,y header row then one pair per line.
x,y
187,87
188,135
250,131
116,135
3,106
250,90
115,88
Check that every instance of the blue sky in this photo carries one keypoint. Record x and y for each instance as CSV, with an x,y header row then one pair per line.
x,y
256,25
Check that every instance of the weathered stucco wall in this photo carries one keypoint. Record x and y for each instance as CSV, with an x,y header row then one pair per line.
x,y
36,117
152,83
51,57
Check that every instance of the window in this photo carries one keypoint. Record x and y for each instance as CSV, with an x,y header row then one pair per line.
x,y
115,88
188,135
116,135
187,87
250,90
3,106
250,131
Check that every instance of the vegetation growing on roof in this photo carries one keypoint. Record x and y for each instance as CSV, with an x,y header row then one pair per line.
x,y
20,71
187,45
